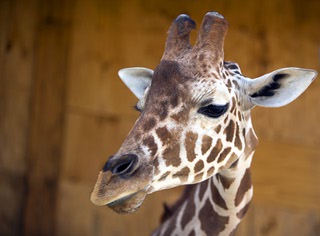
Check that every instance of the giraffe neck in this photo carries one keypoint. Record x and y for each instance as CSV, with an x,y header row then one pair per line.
x,y
217,205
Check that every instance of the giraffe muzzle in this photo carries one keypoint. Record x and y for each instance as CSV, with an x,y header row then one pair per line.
x,y
123,183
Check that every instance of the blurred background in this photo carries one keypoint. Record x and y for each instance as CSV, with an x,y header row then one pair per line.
x,y
64,111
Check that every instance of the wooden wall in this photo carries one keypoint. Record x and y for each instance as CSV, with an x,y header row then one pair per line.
x,y
63,110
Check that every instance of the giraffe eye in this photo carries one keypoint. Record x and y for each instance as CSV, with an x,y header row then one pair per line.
x,y
213,111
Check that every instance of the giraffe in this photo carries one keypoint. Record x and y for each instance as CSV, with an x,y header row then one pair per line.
x,y
194,129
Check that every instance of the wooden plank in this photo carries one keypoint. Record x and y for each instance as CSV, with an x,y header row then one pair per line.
x,y
105,41
264,219
47,116
4,22
90,139
12,197
95,53
85,219
272,221
286,175
16,82
17,27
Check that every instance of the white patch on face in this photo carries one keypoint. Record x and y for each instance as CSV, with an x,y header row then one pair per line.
x,y
221,95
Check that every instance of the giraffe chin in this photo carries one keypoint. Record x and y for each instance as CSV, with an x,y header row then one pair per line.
x,y
128,204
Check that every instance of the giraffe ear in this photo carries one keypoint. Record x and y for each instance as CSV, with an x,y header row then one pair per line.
x,y
137,79
279,87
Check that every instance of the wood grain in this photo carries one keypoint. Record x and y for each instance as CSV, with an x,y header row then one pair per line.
x,y
17,27
47,116
63,109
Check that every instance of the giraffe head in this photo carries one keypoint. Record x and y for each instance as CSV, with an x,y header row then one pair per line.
x,y
195,115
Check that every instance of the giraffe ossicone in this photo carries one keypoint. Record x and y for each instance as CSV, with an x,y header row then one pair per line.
x,y
194,129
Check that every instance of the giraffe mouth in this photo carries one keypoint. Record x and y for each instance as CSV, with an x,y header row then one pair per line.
x,y
129,203
120,194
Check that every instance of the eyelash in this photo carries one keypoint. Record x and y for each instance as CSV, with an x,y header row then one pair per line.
x,y
214,111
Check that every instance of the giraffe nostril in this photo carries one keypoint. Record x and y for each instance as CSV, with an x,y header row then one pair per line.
x,y
125,164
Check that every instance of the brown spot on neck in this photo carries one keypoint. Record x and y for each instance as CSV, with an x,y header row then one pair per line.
x,y
164,176
225,181
243,211
210,171
171,156
206,144
198,177
229,131
224,154
190,143
228,81
216,196
173,210
215,151
171,227
188,213
203,188
233,157
207,216
182,174
192,233
234,105
218,129
237,140
239,116
245,185
198,166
